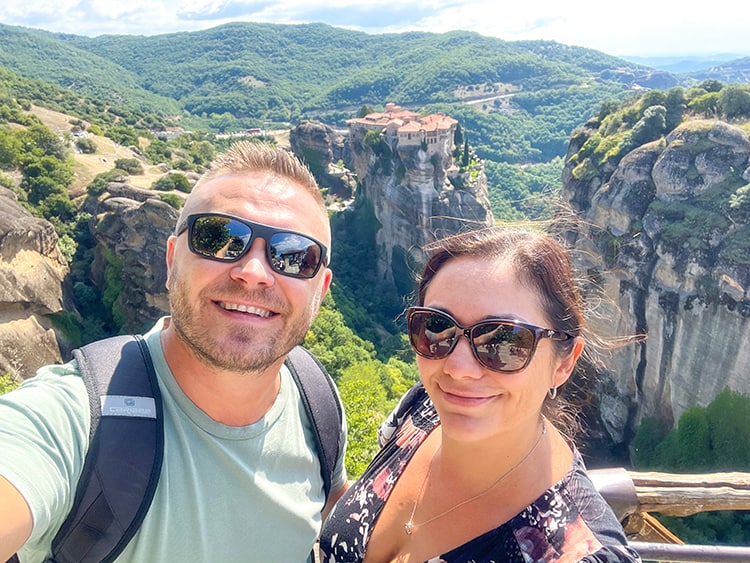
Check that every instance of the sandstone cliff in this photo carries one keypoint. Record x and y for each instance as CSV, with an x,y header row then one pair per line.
x,y
32,271
668,239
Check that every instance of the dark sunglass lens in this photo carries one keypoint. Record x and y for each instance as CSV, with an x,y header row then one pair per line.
x,y
503,346
219,237
294,254
432,334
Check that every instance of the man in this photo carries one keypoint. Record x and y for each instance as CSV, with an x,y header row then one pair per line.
x,y
239,480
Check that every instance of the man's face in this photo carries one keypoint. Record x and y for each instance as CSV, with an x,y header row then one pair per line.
x,y
243,316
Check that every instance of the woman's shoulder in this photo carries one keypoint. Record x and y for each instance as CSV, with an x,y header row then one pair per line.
x,y
415,403
571,517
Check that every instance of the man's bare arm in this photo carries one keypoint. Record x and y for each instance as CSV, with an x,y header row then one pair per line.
x,y
15,520
332,498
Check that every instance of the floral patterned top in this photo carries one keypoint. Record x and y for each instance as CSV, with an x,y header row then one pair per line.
x,y
570,522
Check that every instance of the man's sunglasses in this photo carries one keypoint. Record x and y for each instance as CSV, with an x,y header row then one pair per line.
x,y
226,238
501,345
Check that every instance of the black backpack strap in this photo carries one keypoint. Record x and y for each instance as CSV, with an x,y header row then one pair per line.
x,y
322,405
126,447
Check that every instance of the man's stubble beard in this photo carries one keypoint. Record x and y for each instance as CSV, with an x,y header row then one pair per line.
x,y
250,350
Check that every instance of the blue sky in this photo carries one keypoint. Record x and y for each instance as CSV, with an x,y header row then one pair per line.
x,y
632,28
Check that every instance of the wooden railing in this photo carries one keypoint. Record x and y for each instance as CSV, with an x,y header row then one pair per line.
x,y
634,495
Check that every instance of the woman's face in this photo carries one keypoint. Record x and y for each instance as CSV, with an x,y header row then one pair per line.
x,y
475,403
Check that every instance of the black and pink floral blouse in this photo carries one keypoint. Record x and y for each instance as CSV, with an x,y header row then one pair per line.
x,y
570,522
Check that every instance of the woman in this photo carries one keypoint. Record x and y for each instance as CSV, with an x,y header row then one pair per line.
x,y
474,466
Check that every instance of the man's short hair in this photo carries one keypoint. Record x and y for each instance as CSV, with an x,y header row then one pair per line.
x,y
249,156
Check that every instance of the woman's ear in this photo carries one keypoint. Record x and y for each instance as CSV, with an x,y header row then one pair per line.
x,y
567,363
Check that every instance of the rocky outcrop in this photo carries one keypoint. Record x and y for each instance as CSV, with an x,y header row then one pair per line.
x,y
668,240
131,237
32,271
325,150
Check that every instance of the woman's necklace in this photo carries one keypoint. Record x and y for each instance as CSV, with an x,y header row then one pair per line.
x,y
410,525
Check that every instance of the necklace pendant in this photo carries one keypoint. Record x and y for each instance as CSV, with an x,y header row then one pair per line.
x,y
408,527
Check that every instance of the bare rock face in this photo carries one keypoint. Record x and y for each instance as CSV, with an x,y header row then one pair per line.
x,y
32,271
131,237
669,243
324,150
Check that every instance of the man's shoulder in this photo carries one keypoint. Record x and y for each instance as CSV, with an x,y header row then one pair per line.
x,y
54,379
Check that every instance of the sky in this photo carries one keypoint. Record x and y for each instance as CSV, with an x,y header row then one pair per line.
x,y
636,28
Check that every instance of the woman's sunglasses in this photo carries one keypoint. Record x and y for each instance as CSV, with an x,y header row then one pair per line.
x,y
227,239
501,345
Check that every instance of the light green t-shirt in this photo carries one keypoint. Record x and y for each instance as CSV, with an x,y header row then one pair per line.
x,y
251,493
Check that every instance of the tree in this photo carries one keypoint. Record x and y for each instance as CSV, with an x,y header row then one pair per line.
x,y
158,151
123,135
711,85
693,440
365,110
458,136
729,427
366,407
43,142
10,149
734,102
202,152
675,104
650,127
7,383
644,445
707,104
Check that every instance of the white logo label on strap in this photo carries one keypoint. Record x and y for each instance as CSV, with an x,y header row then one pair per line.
x,y
125,405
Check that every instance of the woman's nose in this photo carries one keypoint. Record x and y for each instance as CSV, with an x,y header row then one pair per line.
x,y
461,363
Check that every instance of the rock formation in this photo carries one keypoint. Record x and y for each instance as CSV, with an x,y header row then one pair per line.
x,y
325,149
669,242
32,271
417,192
133,227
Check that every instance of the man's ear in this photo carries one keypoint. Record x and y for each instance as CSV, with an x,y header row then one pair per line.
x,y
567,363
171,241
325,286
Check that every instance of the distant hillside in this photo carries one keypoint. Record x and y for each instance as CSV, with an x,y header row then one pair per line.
x,y
283,72
679,64
40,55
733,71
286,72
517,101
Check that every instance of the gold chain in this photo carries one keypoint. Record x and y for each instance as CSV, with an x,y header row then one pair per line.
x,y
410,525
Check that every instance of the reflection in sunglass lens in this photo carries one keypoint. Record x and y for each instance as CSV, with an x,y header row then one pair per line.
x,y
433,334
294,254
225,238
502,346
219,237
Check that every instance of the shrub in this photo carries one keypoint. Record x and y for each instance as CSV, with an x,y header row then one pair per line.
x,y
86,145
130,165
173,199
172,181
